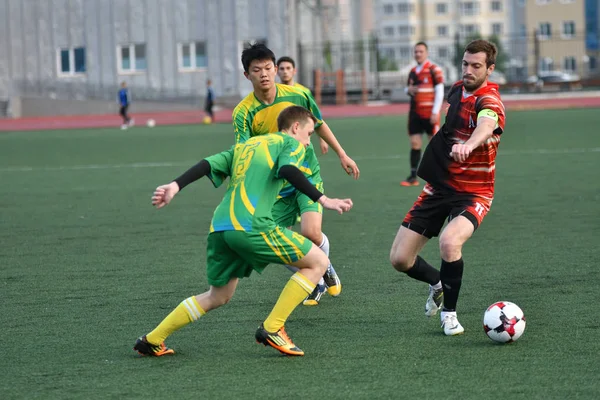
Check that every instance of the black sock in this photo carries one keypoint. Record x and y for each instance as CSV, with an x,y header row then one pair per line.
x,y
415,157
451,275
424,272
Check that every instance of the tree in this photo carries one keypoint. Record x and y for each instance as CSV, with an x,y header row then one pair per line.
x,y
502,57
386,64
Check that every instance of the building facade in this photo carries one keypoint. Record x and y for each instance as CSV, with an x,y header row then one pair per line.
x,y
560,27
162,48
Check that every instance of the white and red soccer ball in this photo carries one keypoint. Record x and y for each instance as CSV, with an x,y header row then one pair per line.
x,y
504,322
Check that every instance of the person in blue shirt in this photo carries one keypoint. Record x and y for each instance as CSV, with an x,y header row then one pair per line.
x,y
210,100
124,99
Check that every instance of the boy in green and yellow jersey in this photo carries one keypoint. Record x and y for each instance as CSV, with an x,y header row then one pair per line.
x,y
257,115
286,69
243,235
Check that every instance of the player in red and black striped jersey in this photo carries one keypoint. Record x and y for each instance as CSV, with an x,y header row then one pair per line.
x,y
426,89
459,167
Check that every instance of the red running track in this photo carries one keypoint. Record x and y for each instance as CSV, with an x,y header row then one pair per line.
x,y
224,116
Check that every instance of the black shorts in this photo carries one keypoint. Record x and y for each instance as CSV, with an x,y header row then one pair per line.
x,y
433,207
418,125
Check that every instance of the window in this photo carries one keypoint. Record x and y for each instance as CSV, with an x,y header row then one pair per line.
x,y
546,64
405,30
405,8
131,58
441,8
568,29
469,29
569,64
497,29
593,63
542,2
442,30
468,8
496,6
388,31
192,56
405,52
71,61
442,53
389,53
388,9
523,30
545,30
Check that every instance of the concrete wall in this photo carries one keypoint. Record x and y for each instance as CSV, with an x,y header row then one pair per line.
x,y
31,32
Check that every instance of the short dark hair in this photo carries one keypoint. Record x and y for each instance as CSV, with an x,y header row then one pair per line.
x,y
483,46
292,114
286,59
256,51
422,44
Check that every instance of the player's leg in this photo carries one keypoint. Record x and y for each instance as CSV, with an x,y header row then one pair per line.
x,y
224,268
311,227
423,221
285,212
298,251
122,113
465,217
415,131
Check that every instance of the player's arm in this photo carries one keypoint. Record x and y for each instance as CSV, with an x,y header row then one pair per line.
x,y
437,76
164,194
216,167
487,123
348,164
437,102
297,179
324,132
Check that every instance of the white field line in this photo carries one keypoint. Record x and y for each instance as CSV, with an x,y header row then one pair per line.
x,y
357,158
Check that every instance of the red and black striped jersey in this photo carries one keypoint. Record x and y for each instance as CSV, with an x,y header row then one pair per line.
x,y
477,174
425,77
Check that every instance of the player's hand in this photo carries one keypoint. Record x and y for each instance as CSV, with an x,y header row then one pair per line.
x,y
349,166
164,194
339,205
412,90
435,119
324,146
460,152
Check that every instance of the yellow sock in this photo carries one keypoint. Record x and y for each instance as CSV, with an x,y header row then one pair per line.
x,y
296,290
187,311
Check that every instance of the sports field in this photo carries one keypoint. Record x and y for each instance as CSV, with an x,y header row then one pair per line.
x,y
87,265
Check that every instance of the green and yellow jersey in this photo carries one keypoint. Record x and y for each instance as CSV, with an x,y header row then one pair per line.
x,y
303,88
251,117
253,168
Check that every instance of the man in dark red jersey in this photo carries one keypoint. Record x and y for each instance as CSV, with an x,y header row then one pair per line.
x,y
458,165
426,89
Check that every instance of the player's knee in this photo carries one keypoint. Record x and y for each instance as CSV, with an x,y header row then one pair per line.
x,y
401,262
220,299
450,247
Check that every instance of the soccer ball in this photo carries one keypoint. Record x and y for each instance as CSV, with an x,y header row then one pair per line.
x,y
151,123
504,322
207,120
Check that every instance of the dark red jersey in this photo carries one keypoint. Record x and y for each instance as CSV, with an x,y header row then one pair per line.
x,y
425,78
477,174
